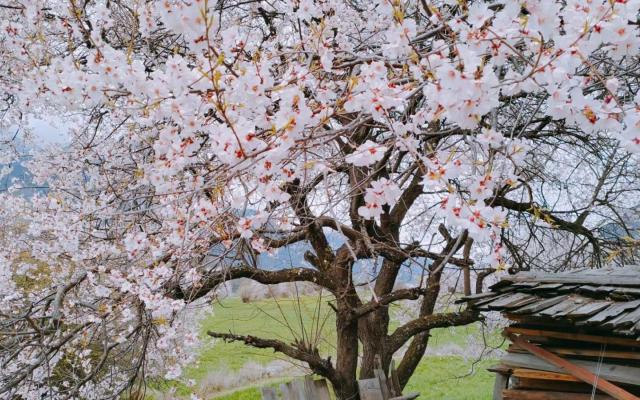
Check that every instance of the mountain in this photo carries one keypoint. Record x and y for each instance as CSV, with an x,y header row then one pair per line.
x,y
20,177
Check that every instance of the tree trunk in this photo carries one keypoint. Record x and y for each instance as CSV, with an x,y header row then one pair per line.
x,y
373,333
419,343
347,357
346,328
374,328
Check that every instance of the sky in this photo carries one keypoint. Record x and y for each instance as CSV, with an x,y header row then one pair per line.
x,y
49,132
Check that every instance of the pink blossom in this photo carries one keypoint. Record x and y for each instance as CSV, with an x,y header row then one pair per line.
x,y
366,154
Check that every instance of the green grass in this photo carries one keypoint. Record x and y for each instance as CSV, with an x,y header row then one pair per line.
x,y
451,378
437,377
245,394
283,319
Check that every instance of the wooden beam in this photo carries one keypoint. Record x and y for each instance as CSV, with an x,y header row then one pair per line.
x,y
595,353
500,369
612,372
578,337
579,279
540,322
546,375
579,372
554,386
509,394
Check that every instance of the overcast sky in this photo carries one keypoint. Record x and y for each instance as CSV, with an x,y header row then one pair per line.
x,y
47,133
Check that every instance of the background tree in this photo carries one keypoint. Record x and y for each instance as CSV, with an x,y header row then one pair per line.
x,y
473,136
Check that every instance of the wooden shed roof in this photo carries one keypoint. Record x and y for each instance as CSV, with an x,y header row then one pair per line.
x,y
605,299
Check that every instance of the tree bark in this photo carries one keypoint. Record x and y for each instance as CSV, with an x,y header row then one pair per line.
x,y
374,327
347,357
346,327
373,335
418,345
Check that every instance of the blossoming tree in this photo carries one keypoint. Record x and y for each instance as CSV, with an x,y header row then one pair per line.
x,y
465,136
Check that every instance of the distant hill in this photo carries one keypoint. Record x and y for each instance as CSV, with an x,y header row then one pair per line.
x,y
20,177
292,256
613,231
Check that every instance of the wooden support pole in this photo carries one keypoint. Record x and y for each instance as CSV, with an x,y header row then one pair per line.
x,y
466,271
579,372
501,383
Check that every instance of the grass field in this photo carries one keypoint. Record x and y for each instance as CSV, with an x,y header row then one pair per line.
x,y
435,379
441,376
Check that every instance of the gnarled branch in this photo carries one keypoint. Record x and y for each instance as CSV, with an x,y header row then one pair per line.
x,y
405,332
259,275
296,351
402,294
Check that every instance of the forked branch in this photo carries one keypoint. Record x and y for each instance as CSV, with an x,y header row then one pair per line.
x,y
296,351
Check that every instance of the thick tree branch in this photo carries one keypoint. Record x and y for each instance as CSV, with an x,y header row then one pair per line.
x,y
408,197
297,351
442,320
418,345
569,226
347,231
315,235
56,315
481,277
402,294
436,256
214,279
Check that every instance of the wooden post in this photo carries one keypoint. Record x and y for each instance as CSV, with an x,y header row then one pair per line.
x,y
501,383
285,390
384,386
297,390
466,271
393,378
370,389
319,389
268,393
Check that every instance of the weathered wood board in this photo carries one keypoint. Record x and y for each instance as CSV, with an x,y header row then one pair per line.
x,y
615,373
